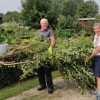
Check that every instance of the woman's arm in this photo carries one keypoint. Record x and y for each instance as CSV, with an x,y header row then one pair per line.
x,y
96,51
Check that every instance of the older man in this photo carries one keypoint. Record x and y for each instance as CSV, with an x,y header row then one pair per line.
x,y
44,73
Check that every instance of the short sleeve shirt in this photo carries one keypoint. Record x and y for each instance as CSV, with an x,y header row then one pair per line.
x,y
46,33
96,42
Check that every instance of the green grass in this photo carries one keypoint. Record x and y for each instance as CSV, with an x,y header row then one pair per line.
x,y
21,87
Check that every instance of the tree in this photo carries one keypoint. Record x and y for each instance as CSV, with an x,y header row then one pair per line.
x,y
1,16
34,10
87,9
68,13
69,8
12,16
79,1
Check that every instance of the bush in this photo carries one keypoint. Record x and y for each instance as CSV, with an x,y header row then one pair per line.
x,y
69,55
86,32
68,33
70,58
9,75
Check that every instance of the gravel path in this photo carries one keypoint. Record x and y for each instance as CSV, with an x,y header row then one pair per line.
x,y
63,91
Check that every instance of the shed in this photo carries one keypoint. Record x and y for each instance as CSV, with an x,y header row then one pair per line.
x,y
86,22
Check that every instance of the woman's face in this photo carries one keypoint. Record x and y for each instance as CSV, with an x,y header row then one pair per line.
x,y
44,25
97,30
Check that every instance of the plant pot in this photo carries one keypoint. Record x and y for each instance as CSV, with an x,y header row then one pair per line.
x,y
3,48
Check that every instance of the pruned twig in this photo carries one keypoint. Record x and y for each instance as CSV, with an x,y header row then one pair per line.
x,y
10,64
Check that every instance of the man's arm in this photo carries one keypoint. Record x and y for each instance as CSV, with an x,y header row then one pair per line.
x,y
52,41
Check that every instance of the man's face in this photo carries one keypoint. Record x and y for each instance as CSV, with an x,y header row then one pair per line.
x,y
44,25
97,30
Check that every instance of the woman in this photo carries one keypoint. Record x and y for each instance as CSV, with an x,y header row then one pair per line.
x,y
96,57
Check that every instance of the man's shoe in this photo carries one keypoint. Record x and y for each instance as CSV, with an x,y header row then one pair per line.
x,y
50,90
94,91
41,88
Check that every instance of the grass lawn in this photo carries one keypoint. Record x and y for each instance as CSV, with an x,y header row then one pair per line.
x,y
21,87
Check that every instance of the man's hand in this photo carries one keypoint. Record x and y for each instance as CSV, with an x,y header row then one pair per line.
x,y
50,50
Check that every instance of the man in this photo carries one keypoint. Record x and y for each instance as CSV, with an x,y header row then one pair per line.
x,y
44,73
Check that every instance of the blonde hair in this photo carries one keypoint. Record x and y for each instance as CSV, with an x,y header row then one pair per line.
x,y
44,20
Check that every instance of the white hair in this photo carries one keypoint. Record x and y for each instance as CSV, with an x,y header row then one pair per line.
x,y
44,20
97,24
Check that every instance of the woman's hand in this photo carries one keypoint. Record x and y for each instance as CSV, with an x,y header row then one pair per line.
x,y
87,60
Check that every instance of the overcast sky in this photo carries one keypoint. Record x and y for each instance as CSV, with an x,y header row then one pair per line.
x,y
15,5
10,5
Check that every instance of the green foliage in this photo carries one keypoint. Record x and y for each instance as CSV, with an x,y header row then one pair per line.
x,y
68,33
87,9
16,89
12,16
60,13
67,17
66,22
34,10
11,32
70,57
9,75
97,18
1,14
69,8
86,32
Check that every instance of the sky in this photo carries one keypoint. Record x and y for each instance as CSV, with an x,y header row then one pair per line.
x,y
10,5
15,5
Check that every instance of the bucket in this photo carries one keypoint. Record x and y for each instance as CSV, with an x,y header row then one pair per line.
x,y
3,48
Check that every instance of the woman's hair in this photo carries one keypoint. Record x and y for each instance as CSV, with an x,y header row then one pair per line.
x,y
44,20
97,24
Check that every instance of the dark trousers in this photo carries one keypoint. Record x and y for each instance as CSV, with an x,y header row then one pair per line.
x,y
44,76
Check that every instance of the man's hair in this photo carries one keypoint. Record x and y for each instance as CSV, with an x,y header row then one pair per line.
x,y
44,20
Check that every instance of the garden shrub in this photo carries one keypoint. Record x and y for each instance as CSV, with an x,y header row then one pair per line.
x,y
9,75
69,55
